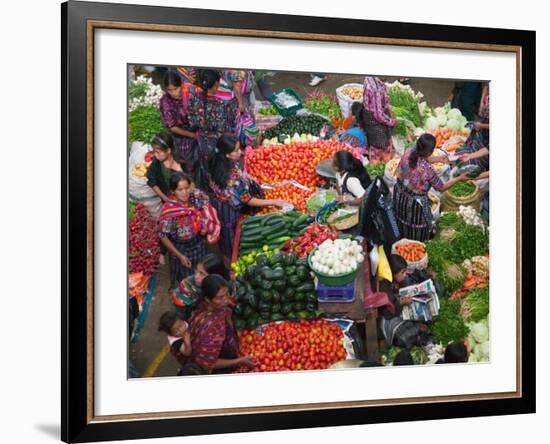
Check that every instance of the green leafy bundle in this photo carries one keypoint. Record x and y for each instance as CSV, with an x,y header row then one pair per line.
x,y
405,106
470,241
144,123
137,89
449,326
323,105
444,264
478,302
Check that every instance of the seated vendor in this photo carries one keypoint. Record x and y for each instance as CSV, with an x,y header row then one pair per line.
x,y
394,328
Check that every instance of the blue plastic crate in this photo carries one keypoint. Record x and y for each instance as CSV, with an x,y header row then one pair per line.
x,y
342,294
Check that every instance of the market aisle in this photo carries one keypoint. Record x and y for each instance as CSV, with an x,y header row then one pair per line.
x,y
151,343
436,93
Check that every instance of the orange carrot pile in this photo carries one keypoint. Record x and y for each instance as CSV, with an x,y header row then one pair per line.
x,y
341,123
452,148
444,134
472,281
411,252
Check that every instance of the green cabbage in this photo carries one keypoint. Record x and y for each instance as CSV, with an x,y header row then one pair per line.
x,y
479,331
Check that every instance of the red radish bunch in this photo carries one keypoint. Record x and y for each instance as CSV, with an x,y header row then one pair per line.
x,y
143,242
314,236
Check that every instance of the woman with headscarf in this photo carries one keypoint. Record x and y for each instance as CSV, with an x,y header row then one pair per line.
x,y
379,119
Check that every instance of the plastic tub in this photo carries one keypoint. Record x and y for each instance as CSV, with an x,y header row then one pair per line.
x,y
343,294
286,111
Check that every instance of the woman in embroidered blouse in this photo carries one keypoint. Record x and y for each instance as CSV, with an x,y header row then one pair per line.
x,y
379,119
187,295
214,340
242,84
163,165
187,221
210,114
176,119
231,188
415,176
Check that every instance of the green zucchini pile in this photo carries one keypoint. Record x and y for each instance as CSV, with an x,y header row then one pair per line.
x,y
274,289
272,230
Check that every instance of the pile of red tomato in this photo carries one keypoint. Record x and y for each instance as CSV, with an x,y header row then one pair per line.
x,y
287,346
296,161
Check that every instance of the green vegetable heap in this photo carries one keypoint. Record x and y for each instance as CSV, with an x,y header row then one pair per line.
x,y
449,326
478,304
324,105
310,124
462,189
405,106
145,123
268,111
271,230
274,289
456,242
376,170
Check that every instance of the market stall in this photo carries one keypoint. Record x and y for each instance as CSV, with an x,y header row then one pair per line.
x,y
271,247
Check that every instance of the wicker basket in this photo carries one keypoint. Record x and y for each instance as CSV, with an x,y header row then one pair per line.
x,y
452,203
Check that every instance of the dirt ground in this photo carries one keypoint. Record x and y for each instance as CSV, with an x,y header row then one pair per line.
x,y
149,355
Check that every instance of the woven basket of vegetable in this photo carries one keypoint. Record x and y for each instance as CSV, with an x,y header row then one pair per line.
x,y
463,193
414,252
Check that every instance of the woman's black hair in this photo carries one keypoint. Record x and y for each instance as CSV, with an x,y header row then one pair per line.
x,y
403,358
424,148
456,352
177,177
214,265
211,284
220,166
397,263
357,111
167,321
164,141
171,77
206,79
349,164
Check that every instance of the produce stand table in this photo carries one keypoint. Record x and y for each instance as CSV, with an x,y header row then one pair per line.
x,y
357,312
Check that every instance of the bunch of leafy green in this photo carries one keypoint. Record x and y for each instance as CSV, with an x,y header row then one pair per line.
x,y
470,241
478,301
445,264
449,325
323,105
405,106
144,123
450,219
137,89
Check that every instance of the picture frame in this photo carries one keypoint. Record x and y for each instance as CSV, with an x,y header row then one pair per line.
x,y
80,20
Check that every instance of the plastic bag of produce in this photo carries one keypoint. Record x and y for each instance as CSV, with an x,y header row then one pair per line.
x,y
138,190
344,98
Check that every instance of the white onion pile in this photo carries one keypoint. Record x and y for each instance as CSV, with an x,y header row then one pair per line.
x,y
340,256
